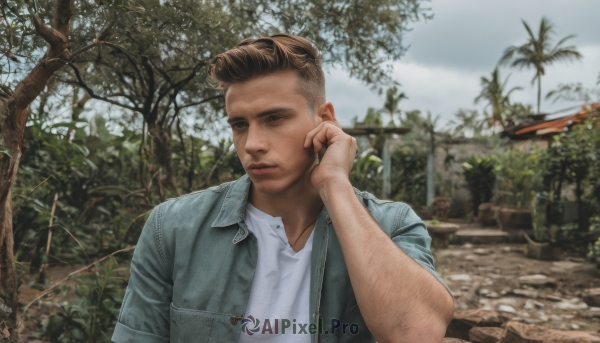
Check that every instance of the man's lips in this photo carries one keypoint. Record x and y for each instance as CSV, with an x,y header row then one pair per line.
x,y
261,168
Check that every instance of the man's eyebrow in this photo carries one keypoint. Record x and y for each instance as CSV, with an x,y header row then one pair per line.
x,y
262,114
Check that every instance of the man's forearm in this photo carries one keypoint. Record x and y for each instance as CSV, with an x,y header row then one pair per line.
x,y
398,298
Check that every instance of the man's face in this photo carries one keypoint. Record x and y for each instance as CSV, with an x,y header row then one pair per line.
x,y
270,118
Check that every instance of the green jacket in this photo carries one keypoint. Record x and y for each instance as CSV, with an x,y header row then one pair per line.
x,y
193,266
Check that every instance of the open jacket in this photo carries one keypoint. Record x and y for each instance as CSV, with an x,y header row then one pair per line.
x,y
193,266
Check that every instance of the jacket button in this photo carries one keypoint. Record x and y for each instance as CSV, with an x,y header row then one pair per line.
x,y
233,320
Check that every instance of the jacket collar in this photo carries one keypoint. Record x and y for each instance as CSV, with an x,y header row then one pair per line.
x,y
233,209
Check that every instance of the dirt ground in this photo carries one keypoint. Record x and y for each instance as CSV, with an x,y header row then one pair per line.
x,y
499,277
41,310
495,277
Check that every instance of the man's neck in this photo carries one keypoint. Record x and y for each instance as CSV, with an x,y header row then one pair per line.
x,y
297,206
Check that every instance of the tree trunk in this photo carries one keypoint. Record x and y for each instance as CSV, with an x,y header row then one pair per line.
x,y
164,154
8,276
581,220
13,117
539,99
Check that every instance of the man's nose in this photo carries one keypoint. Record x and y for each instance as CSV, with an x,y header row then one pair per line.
x,y
255,140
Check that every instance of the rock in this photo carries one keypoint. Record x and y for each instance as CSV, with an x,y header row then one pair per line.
x,y
465,320
506,249
487,282
577,259
514,302
553,298
481,251
467,246
507,308
565,266
522,333
555,318
459,277
527,293
536,280
592,297
532,320
486,335
470,258
454,340
538,304
533,305
460,305
484,291
574,326
573,304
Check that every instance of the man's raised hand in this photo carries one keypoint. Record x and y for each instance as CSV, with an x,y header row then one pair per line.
x,y
337,162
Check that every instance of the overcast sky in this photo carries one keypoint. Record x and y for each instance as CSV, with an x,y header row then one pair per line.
x,y
448,54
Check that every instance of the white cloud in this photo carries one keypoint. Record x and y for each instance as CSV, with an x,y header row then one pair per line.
x,y
448,55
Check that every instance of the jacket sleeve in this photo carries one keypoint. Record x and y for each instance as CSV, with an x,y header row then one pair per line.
x,y
145,314
411,235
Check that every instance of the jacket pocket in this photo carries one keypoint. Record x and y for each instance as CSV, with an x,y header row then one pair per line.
x,y
190,326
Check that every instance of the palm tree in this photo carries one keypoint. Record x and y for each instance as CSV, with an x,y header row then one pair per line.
x,y
467,120
537,53
391,103
493,92
372,118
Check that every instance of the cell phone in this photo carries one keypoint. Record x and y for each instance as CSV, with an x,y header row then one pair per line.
x,y
321,153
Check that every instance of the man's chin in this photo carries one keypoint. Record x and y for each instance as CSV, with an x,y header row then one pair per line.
x,y
272,185
269,186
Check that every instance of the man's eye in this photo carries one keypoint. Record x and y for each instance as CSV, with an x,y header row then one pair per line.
x,y
238,125
275,118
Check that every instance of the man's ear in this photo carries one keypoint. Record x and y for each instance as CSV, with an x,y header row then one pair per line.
x,y
326,112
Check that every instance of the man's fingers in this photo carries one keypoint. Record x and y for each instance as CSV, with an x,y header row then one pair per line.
x,y
326,133
311,134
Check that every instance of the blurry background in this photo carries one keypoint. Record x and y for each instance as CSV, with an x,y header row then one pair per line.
x,y
127,121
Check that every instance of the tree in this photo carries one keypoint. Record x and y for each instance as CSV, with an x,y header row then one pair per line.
x,y
538,53
467,121
14,110
517,112
574,92
493,92
156,67
480,177
392,99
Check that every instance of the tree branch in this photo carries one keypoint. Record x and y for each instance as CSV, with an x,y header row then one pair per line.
x,y
50,35
129,57
83,85
201,102
147,107
62,16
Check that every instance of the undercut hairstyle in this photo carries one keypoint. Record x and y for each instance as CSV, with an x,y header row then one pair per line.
x,y
252,58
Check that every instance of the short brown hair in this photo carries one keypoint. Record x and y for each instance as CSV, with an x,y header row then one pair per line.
x,y
252,58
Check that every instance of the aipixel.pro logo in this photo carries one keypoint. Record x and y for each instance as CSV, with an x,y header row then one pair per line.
x,y
252,325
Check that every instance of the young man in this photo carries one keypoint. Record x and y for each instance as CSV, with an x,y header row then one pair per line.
x,y
290,252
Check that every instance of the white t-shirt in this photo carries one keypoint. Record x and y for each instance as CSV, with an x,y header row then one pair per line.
x,y
280,288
